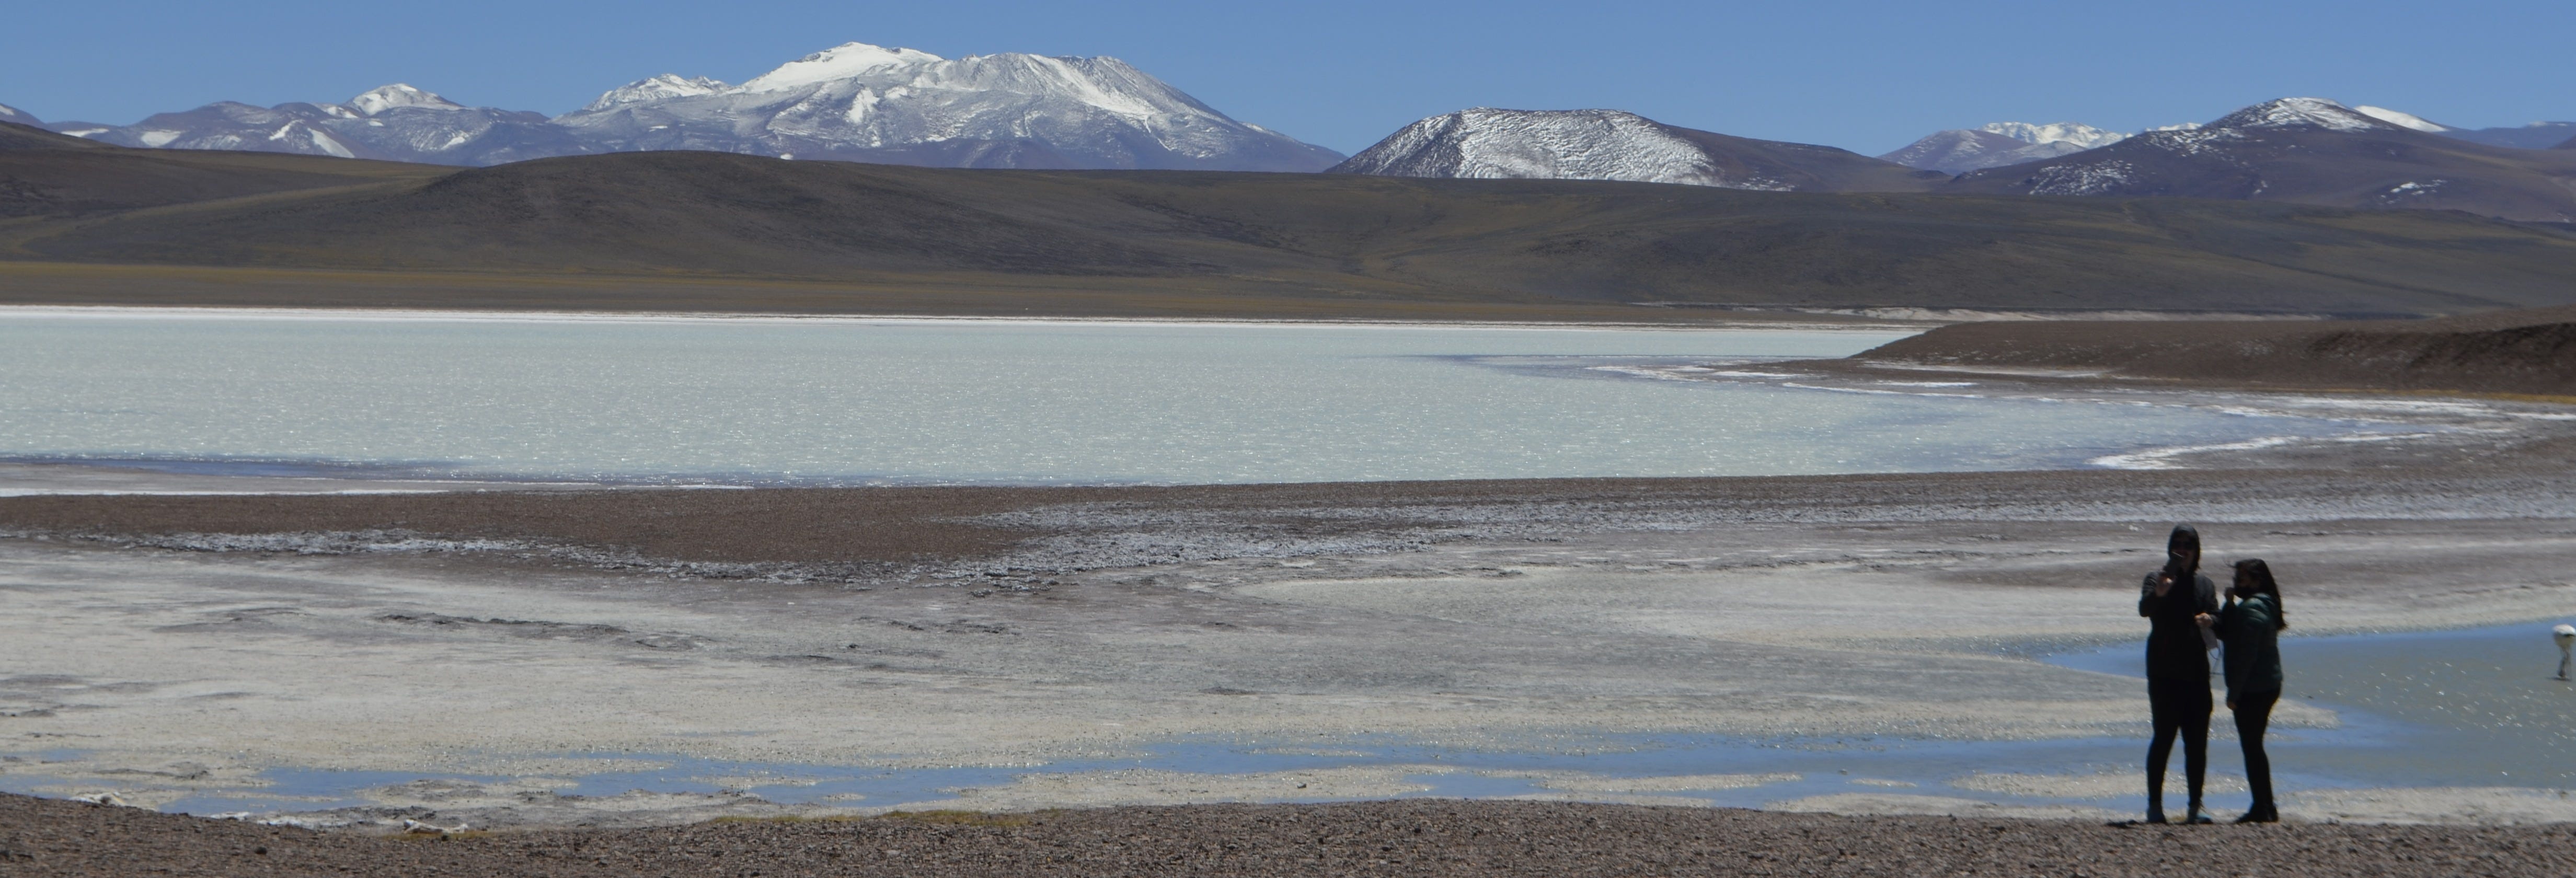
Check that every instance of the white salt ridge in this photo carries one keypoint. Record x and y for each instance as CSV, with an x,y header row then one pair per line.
x,y
1488,143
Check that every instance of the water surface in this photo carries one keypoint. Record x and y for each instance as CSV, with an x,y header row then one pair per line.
x,y
860,401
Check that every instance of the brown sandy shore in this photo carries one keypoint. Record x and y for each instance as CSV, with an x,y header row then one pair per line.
x,y
40,837
2530,352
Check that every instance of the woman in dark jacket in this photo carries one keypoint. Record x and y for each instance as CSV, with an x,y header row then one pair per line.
x,y
2251,626
2173,600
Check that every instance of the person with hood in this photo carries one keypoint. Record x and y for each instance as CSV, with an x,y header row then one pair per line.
x,y
2251,625
2173,599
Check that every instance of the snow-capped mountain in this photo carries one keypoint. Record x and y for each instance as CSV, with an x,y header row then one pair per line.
x,y
854,101
2307,150
663,87
2074,134
1995,144
905,106
1487,143
22,117
397,122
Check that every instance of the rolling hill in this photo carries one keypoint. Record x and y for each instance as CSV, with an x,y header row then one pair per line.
x,y
714,231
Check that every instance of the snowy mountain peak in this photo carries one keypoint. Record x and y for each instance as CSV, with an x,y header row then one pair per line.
x,y
663,87
14,114
838,62
2402,120
383,98
2079,135
1487,143
2300,113
1492,144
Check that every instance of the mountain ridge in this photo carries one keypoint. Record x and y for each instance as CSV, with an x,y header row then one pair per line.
x,y
1490,143
854,101
2305,150
715,231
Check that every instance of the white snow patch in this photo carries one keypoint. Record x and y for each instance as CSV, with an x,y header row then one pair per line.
x,y
2402,120
1494,144
327,144
839,62
2081,135
158,137
657,88
2300,113
383,98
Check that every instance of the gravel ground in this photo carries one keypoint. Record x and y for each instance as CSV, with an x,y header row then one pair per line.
x,y
40,837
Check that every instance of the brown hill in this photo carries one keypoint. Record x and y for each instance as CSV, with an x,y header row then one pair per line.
x,y
2522,351
2306,151
47,174
727,232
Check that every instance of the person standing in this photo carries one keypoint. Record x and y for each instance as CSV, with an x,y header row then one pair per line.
x,y
2250,626
2173,599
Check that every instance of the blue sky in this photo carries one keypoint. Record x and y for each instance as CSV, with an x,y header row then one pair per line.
x,y
1863,76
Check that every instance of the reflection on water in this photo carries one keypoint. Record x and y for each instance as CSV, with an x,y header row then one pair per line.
x,y
927,401
2471,708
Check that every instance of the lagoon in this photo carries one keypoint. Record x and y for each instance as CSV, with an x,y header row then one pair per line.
x,y
867,401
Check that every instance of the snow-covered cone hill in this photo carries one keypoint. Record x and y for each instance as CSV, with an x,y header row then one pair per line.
x,y
1995,144
870,103
1487,143
853,101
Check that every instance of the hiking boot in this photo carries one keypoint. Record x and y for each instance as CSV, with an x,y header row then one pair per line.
x,y
2197,817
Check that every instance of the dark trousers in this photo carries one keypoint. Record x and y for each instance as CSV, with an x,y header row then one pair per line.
x,y
2179,706
2253,712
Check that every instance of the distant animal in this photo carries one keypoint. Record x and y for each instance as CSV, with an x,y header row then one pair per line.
x,y
2566,637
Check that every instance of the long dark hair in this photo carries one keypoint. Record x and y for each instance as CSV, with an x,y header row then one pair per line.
x,y
2261,573
2184,536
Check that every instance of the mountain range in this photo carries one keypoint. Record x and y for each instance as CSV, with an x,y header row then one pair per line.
x,y
853,102
89,222
866,103
1960,150
2311,151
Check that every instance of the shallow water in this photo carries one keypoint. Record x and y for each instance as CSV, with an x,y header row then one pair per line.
x,y
2463,708
2468,707
857,402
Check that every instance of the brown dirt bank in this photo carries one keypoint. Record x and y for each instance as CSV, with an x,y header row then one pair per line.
x,y
40,837
2530,351
1125,525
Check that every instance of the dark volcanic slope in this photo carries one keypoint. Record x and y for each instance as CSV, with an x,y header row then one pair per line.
x,y
2531,352
1408,837
1333,239
48,174
2306,151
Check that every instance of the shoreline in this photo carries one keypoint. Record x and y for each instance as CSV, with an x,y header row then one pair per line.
x,y
1080,627
1750,320
1415,837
